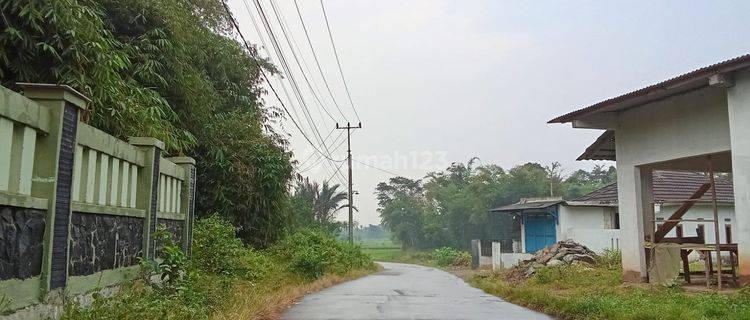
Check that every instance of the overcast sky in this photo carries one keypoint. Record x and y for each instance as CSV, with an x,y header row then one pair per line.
x,y
436,82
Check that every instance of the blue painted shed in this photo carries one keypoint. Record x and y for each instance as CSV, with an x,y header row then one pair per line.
x,y
539,220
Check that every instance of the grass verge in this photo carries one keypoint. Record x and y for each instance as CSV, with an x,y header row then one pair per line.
x,y
440,257
223,279
582,292
268,301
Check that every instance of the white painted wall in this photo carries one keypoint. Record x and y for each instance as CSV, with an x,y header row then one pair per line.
x,y
590,226
691,124
706,212
502,260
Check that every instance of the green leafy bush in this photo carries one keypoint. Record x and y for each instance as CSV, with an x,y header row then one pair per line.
x,y
195,287
313,253
610,259
171,264
216,248
447,256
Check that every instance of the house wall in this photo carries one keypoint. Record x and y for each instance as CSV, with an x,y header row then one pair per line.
x,y
691,124
590,226
726,216
738,100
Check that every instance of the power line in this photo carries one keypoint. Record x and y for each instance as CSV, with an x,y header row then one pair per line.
x,y
298,93
313,154
282,23
334,174
285,65
338,62
318,158
315,57
265,47
265,77
376,168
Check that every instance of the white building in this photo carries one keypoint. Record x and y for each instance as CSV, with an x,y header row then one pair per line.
x,y
593,219
698,121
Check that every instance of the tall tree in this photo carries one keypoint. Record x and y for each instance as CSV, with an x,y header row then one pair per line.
x,y
452,206
316,205
168,69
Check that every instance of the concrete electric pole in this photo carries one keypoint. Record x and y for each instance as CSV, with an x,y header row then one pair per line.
x,y
349,159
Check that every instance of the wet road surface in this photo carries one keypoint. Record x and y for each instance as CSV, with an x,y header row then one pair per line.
x,y
405,291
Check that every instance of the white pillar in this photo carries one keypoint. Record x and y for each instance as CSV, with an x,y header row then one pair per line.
x,y
738,101
634,187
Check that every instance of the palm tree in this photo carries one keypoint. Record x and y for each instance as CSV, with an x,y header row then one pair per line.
x,y
325,199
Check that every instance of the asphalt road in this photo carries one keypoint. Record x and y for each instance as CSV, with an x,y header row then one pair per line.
x,y
405,291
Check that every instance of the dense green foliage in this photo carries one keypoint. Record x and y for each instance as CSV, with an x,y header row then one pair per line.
x,y
449,208
313,205
596,292
313,253
198,286
447,256
167,69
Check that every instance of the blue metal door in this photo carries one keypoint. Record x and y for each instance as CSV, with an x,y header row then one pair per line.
x,y
540,232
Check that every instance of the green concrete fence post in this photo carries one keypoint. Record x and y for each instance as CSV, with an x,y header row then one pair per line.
x,y
148,183
188,199
53,174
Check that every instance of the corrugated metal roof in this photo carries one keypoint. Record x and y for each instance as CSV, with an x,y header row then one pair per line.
x,y
602,149
605,195
530,203
669,187
682,83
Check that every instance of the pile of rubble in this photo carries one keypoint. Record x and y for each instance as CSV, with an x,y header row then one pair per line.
x,y
564,252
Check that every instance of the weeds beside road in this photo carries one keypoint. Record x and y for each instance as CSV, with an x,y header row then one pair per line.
x,y
226,280
583,292
440,257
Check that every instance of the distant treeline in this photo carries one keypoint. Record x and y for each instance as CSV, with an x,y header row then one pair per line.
x,y
450,207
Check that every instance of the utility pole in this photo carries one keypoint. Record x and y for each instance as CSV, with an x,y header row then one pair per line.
x,y
349,159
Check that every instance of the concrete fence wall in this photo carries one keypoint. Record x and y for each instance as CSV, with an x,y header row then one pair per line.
x,y
78,207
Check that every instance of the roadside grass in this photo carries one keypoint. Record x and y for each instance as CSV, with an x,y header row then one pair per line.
x,y
440,257
582,292
269,300
226,280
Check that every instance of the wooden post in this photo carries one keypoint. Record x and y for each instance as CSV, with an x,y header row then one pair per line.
x,y
732,258
683,255
716,221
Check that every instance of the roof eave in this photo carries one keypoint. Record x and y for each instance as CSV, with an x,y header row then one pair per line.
x,y
686,82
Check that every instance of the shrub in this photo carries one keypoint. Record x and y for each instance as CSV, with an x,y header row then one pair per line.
x,y
216,248
171,263
610,259
256,265
313,253
447,256
463,259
